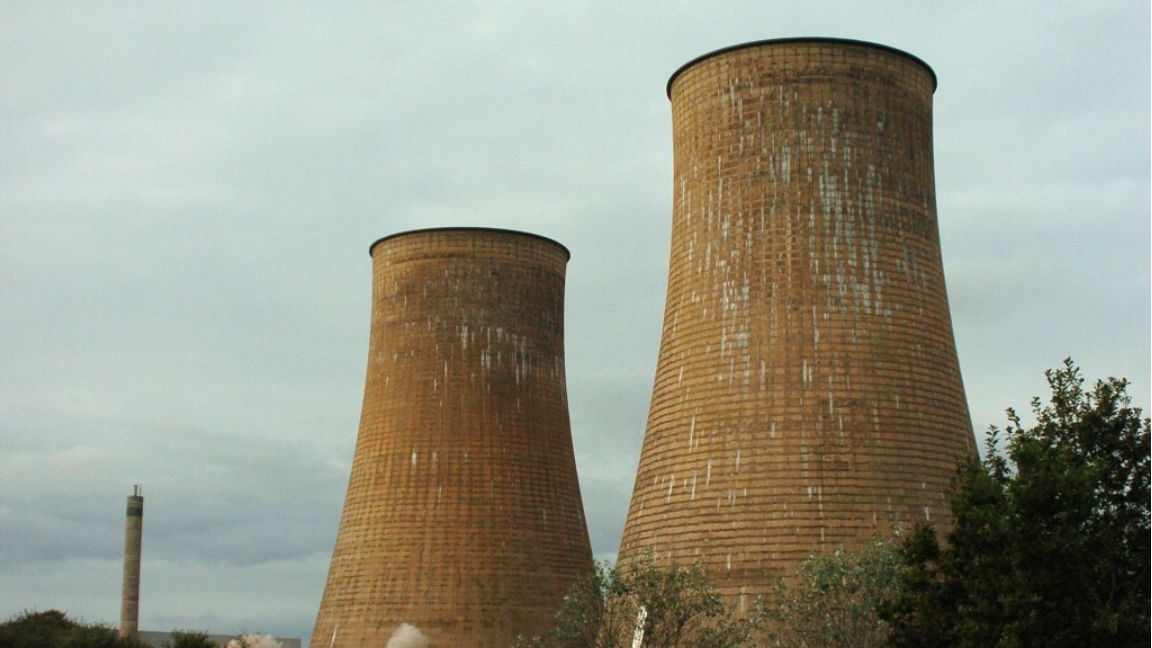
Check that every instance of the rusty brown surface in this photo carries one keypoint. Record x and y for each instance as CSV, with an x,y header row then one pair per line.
x,y
463,514
807,393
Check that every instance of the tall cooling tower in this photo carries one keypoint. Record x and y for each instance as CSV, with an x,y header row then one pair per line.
x,y
463,514
807,393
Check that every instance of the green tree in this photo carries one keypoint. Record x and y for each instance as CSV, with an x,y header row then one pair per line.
x,y
1050,545
672,607
836,600
35,629
53,629
190,639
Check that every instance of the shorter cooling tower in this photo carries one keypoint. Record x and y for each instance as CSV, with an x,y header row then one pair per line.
x,y
463,514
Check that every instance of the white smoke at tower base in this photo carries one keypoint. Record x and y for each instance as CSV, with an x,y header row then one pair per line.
x,y
407,636
254,641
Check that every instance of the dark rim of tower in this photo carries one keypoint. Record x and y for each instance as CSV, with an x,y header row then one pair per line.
x,y
497,230
800,39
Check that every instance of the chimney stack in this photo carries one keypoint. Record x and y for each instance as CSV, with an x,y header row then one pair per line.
x,y
130,593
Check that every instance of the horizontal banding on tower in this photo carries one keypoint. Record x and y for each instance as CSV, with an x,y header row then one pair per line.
x,y
807,392
463,514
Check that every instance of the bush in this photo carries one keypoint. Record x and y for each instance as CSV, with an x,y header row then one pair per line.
x,y
837,600
53,629
670,607
190,639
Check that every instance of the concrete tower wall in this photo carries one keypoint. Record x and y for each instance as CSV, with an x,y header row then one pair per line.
x,y
133,539
463,514
807,393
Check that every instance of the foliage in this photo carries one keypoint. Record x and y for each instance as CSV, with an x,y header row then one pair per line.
x,y
1051,543
675,607
53,629
836,601
190,639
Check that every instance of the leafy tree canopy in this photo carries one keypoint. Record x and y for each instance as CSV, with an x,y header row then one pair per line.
x,y
662,607
190,639
1051,539
53,629
836,600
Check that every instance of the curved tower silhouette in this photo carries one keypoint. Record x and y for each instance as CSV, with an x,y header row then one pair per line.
x,y
807,393
463,514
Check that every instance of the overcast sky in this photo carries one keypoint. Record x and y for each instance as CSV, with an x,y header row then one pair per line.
x,y
188,191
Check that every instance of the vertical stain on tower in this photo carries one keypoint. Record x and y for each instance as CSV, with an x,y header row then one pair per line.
x,y
463,514
806,327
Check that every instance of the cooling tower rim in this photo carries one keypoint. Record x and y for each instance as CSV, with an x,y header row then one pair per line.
x,y
798,39
426,230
